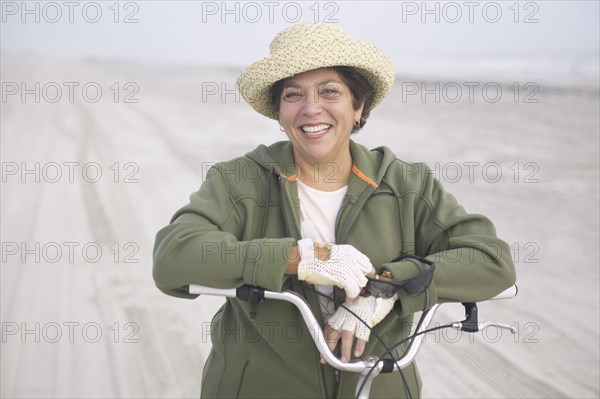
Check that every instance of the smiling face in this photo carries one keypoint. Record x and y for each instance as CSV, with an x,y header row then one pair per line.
x,y
317,114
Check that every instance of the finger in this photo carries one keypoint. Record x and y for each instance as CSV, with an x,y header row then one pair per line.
x,y
352,291
360,347
347,340
332,336
366,266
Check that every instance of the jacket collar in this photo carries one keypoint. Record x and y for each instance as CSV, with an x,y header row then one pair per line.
x,y
368,166
368,169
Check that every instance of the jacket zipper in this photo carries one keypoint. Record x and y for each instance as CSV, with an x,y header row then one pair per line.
x,y
337,384
352,217
362,199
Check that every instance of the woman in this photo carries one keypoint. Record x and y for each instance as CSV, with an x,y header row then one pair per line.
x,y
321,214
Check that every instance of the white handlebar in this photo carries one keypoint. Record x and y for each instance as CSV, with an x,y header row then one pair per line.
x,y
319,336
369,367
202,290
508,293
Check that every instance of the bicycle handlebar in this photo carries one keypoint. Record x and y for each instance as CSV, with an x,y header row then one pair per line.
x,y
508,293
257,294
196,289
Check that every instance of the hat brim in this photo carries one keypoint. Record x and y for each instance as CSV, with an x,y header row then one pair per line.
x,y
256,82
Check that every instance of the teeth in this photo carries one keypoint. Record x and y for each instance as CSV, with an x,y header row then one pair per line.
x,y
315,129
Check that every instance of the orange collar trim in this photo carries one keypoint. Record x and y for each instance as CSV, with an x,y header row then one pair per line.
x,y
293,177
364,177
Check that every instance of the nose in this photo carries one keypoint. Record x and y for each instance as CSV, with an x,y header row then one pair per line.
x,y
312,103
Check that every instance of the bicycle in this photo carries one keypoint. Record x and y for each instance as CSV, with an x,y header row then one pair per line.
x,y
369,366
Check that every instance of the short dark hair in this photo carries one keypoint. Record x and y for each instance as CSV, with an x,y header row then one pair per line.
x,y
360,88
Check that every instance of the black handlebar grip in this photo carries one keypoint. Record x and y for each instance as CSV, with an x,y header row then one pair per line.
x,y
254,295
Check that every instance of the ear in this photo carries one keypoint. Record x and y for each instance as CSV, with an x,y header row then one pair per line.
x,y
359,111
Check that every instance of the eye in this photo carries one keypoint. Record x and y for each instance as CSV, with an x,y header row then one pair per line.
x,y
329,91
292,95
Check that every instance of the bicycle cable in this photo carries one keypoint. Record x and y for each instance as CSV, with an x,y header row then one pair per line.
x,y
388,350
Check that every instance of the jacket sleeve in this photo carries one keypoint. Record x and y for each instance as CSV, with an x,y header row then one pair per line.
x,y
472,263
200,246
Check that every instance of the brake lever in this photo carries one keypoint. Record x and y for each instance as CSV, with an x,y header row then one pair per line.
x,y
484,325
471,323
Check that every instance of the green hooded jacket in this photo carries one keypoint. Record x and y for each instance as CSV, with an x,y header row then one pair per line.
x,y
239,229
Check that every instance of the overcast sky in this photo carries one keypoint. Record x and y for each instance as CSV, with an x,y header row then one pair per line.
x,y
237,33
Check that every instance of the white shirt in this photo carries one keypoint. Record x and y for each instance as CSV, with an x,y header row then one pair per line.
x,y
318,212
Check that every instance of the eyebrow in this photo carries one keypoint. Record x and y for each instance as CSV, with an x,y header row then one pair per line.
x,y
293,84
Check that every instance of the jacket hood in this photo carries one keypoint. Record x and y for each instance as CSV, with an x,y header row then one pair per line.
x,y
368,165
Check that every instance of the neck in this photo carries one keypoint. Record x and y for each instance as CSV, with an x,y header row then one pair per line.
x,y
325,175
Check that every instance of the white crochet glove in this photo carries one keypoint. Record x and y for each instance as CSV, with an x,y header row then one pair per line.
x,y
370,309
346,267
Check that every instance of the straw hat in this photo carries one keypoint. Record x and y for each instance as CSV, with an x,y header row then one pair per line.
x,y
308,46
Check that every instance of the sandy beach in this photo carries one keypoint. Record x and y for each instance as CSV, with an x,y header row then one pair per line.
x,y
97,156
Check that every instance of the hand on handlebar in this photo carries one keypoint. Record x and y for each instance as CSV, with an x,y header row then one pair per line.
x,y
345,267
345,325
